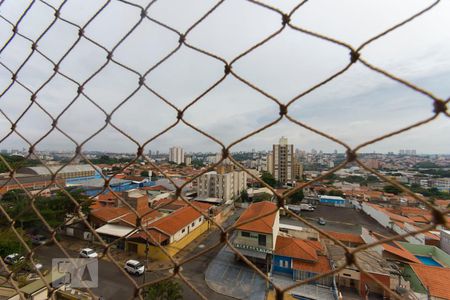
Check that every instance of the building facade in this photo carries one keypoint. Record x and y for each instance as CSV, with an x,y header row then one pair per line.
x,y
176,155
283,161
226,185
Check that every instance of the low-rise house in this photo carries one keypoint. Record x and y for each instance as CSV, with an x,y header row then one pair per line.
x,y
256,239
172,232
348,239
351,278
303,233
333,201
300,259
431,282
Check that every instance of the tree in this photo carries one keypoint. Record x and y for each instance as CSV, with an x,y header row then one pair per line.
x,y
244,196
335,193
53,209
9,243
392,189
144,174
296,197
268,178
261,197
164,290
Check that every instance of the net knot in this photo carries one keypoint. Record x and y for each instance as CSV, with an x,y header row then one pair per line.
x,y
227,69
285,19
225,153
140,150
349,258
438,217
351,155
440,107
283,110
354,56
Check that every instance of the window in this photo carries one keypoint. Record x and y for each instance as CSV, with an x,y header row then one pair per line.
x,y
182,231
261,240
200,219
193,224
245,233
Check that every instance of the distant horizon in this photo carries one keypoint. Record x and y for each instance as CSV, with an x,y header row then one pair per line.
x,y
161,152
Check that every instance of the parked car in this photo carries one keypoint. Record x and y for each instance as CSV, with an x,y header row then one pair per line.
x,y
28,266
39,240
13,258
134,267
321,221
88,253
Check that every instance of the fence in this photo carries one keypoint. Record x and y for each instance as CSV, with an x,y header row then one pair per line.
x,y
354,56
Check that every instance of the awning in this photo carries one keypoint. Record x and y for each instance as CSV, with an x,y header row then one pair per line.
x,y
252,253
114,230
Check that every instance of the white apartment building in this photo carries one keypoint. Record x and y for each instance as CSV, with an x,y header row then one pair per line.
x,y
176,155
226,186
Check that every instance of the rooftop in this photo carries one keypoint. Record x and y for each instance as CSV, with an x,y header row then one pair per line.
x,y
255,210
176,221
370,261
295,248
435,279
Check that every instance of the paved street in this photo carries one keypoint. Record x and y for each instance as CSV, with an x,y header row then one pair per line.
x,y
235,279
112,283
115,285
339,219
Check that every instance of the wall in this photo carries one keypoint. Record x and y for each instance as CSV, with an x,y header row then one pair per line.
x,y
155,253
378,215
278,265
445,241
416,239
186,230
275,229
252,241
374,288
414,281
368,239
426,250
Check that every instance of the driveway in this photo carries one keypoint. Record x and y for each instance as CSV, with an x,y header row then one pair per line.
x,y
226,276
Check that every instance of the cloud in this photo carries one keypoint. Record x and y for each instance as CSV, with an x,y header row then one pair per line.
x,y
357,106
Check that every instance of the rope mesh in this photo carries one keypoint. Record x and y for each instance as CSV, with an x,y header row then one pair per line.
x,y
352,155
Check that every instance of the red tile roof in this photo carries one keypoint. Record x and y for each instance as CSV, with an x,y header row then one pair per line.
x,y
347,237
398,250
108,214
322,265
434,278
154,188
296,248
176,221
154,234
264,224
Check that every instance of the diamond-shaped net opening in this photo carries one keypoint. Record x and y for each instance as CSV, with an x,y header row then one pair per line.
x,y
37,71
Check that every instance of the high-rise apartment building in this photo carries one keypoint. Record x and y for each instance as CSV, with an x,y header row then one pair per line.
x,y
269,162
224,183
176,155
283,161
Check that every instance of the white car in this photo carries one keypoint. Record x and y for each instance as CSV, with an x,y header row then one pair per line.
x,y
134,267
13,258
88,253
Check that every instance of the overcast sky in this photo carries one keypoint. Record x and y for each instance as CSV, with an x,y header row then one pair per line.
x,y
356,107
